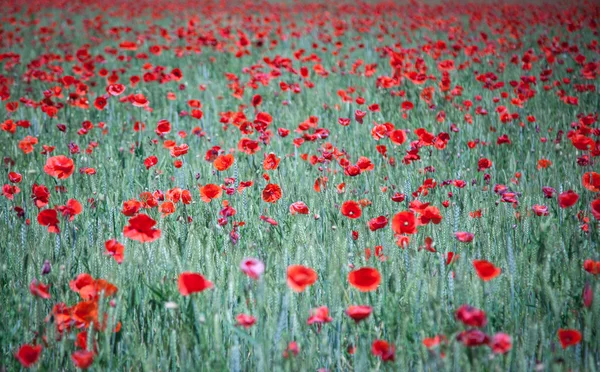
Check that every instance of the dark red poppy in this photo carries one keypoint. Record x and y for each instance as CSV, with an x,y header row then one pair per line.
x,y
484,164
100,103
569,337
28,355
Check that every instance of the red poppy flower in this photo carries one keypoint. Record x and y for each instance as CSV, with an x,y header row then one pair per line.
x,y
298,208
486,270
501,343
292,349
567,199
59,166
163,127
365,279
80,282
484,164
432,342
248,146
472,337
591,266
271,193
9,191
92,291
180,150
299,277
140,228
48,217
359,312
186,197
595,207
223,162
39,290
398,137
28,355
27,143
115,89
252,267
100,103
569,337
471,316
383,350
14,177
71,209
210,192
245,320
82,358
150,161
319,315
271,162
465,237
166,208
378,223
591,181
540,210
404,223
131,207
115,249
192,283
351,209
430,214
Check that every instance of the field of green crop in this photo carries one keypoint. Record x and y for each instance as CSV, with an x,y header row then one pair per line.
x,y
299,186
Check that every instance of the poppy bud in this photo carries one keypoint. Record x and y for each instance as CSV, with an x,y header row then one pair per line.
x,y
588,295
46,268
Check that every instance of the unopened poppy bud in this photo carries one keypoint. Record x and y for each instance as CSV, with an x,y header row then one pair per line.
x,y
46,268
